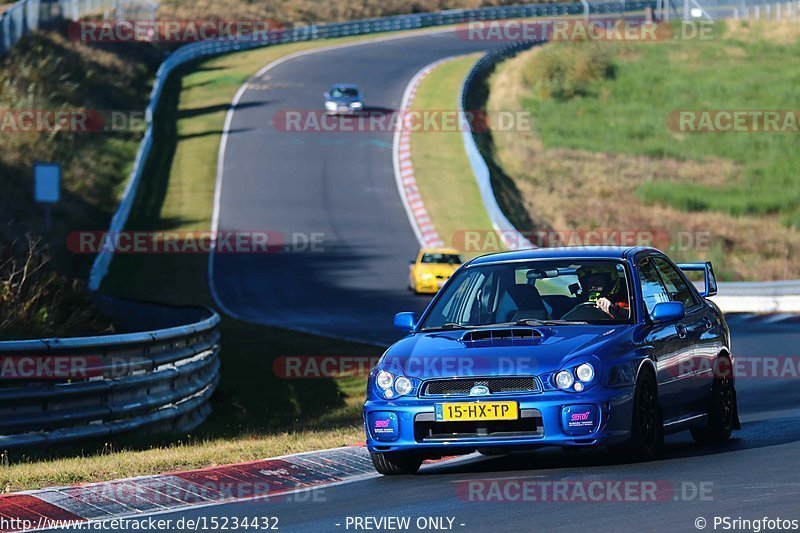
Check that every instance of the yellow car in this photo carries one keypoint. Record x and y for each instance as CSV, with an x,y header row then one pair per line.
x,y
432,267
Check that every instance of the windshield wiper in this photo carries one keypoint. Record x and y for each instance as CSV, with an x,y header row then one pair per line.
x,y
449,325
524,322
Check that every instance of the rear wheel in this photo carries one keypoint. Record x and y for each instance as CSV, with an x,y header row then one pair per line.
x,y
721,412
395,464
647,427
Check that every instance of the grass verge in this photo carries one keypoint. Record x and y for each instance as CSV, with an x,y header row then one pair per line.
x,y
311,11
440,161
43,74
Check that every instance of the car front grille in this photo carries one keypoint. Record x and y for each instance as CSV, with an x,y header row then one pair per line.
x,y
462,387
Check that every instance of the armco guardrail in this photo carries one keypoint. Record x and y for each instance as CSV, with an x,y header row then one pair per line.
x,y
479,71
54,391
194,51
759,297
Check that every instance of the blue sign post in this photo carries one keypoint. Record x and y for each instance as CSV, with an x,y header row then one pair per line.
x,y
47,186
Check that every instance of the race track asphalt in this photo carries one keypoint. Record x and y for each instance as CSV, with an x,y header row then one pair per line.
x,y
335,187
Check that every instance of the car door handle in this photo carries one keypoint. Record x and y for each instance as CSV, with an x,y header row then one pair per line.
x,y
681,329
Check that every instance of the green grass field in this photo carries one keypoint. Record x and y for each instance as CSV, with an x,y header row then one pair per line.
x,y
627,114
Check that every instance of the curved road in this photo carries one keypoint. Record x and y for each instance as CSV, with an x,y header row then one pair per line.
x,y
342,186
339,187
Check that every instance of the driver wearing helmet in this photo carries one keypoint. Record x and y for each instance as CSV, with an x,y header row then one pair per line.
x,y
604,287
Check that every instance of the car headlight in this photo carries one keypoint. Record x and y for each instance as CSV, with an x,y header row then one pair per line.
x,y
357,105
403,386
426,276
580,375
391,385
564,380
585,372
330,106
384,380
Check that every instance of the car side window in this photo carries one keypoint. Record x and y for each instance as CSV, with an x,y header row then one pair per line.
x,y
678,290
653,290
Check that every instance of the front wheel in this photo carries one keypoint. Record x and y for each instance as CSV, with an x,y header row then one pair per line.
x,y
647,426
721,413
395,464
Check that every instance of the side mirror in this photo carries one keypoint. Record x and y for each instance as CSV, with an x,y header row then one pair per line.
x,y
406,322
667,312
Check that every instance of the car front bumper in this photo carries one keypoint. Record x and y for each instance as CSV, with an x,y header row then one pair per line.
x,y
409,424
344,111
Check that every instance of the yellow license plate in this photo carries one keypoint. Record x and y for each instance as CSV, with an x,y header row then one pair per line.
x,y
465,411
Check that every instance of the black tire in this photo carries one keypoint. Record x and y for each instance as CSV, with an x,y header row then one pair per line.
x,y
722,412
647,426
395,464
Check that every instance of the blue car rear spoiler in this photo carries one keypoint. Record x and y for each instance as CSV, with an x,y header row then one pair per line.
x,y
708,276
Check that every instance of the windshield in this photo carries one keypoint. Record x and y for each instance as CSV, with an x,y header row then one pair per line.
x,y
344,92
445,259
568,291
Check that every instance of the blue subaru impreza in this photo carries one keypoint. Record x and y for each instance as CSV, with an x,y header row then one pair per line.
x,y
571,347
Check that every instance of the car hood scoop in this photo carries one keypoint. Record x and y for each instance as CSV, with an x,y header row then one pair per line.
x,y
491,337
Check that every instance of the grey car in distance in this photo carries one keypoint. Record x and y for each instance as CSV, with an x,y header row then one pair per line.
x,y
343,98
